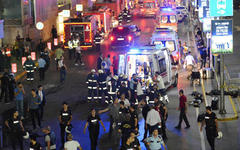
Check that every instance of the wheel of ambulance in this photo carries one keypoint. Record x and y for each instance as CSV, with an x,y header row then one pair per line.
x,y
175,80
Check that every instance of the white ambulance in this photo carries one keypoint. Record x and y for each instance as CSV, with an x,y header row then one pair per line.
x,y
147,60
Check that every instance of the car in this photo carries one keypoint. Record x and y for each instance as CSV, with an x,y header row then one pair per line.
x,y
182,9
121,36
136,31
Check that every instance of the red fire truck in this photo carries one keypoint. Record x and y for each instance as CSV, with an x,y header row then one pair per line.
x,y
84,29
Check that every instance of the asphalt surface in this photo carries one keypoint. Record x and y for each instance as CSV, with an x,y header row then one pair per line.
x,y
74,91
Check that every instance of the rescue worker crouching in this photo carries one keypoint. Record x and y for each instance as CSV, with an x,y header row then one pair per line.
x,y
29,66
102,85
97,41
92,85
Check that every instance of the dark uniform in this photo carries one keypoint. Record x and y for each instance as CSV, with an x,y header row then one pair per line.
x,y
93,129
16,133
92,86
29,66
163,121
153,93
102,89
4,87
112,89
12,86
135,144
125,129
65,117
133,116
46,57
97,41
36,146
211,129
145,111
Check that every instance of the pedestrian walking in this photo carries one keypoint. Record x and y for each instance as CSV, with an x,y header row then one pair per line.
x,y
33,108
99,61
163,112
133,88
5,87
58,53
124,100
97,41
78,55
131,143
15,130
72,144
189,63
41,46
34,145
19,93
183,110
155,141
49,138
153,120
204,55
41,94
93,128
63,69
65,118
211,123
41,68
29,66
92,85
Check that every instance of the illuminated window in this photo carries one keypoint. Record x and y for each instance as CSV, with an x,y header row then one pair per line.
x,y
172,19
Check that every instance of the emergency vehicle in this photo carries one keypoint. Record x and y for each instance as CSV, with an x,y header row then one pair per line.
x,y
148,60
84,29
166,37
167,18
149,8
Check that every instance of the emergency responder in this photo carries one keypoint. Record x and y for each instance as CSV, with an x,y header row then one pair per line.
x,y
93,128
97,41
70,49
129,17
145,109
161,87
155,141
5,87
125,79
124,90
133,118
153,93
92,85
125,128
211,123
162,109
15,128
133,88
65,118
75,45
102,85
99,61
29,66
112,89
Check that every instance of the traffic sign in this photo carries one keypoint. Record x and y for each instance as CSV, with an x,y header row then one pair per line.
x,y
39,25
222,38
221,8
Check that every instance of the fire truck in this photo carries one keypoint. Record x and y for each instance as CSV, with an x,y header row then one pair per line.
x,y
82,28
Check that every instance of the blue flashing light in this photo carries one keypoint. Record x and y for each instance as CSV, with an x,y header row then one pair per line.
x,y
167,9
134,50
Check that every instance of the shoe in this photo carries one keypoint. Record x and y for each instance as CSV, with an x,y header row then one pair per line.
x,y
76,64
177,127
187,127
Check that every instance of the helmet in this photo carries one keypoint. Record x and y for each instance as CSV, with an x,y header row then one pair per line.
x,y
100,71
25,135
115,77
93,70
220,135
68,128
121,75
124,76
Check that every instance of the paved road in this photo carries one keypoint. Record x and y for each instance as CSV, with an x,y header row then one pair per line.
x,y
74,91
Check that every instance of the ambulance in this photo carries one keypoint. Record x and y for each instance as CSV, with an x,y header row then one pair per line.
x,y
166,37
147,60
167,18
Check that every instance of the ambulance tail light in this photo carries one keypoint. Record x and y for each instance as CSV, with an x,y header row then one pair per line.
x,y
111,38
130,38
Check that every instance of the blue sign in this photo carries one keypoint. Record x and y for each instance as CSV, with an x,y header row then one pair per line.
x,y
1,29
222,38
206,12
221,8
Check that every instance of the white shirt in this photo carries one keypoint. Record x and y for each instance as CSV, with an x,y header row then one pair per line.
x,y
126,102
71,145
40,94
139,89
153,117
160,82
60,63
189,60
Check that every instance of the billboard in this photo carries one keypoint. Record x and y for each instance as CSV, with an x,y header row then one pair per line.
x,y
1,29
222,38
207,24
221,8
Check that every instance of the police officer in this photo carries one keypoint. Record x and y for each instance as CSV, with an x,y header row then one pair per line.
x,y
15,127
162,109
70,49
4,87
112,89
211,123
155,141
65,118
102,82
97,41
29,66
92,85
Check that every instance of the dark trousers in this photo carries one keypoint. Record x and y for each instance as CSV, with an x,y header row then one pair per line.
x,y
4,93
183,116
164,135
62,128
62,75
30,76
211,134
41,110
78,58
146,130
98,47
16,137
93,134
101,92
203,62
70,54
41,73
133,96
92,94
35,113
